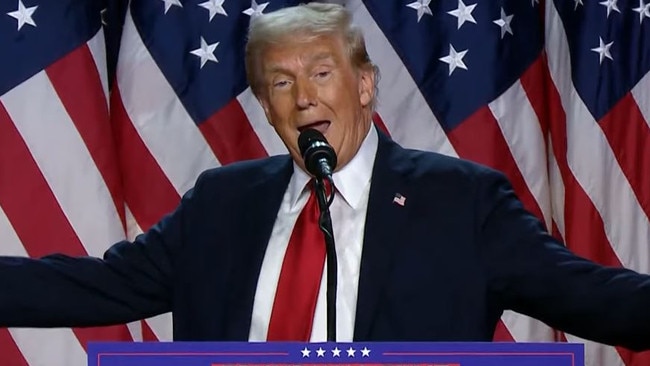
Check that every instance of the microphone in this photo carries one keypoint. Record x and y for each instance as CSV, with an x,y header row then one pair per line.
x,y
320,160
319,157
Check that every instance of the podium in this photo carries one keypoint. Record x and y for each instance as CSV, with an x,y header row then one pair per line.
x,y
335,354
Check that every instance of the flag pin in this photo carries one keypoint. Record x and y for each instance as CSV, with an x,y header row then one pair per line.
x,y
399,199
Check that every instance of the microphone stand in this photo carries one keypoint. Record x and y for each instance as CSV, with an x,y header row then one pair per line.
x,y
325,224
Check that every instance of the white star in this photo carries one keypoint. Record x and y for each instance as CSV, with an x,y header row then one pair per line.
x,y
206,52
643,10
504,23
611,5
365,352
463,13
336,352
603,50
305,352
214,7
23,15
422,7
454,59
255,9
320,352
351,352
578,2
169,3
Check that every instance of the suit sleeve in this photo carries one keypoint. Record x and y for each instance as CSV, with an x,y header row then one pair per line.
x,y
536,275
132,281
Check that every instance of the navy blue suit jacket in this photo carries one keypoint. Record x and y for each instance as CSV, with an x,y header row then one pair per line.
x,y
443,267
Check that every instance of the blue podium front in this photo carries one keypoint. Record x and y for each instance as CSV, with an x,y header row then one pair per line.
x,y
338,354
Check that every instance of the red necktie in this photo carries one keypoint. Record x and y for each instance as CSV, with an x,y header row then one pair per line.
x,y
295,299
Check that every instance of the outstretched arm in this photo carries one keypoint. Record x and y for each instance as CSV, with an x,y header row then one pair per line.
x,y
132,281
536,275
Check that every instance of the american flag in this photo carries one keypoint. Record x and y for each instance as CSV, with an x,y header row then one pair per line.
x,y
555,94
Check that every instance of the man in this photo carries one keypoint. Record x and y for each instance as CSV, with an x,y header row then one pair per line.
x,y
441,266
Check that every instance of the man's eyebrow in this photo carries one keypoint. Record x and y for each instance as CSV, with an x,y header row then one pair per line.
x,y
321,56
278,68
275,68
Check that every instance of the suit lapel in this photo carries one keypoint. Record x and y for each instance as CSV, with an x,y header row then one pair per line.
x,y
384,220
263,199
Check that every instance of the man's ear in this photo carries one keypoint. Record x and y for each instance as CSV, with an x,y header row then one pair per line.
x,y
366,86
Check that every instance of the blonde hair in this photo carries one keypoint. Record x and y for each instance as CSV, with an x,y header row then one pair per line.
x,y
310,20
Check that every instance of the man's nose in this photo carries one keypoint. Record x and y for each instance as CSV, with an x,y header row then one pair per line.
x,y
305,94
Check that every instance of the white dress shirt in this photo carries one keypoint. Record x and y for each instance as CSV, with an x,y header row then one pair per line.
x,y
348,211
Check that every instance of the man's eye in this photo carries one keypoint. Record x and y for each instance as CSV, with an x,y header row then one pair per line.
x,y
323,74
281,83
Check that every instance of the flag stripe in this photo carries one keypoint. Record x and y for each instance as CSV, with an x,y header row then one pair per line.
x,y
159,327
262,128
157,114
141,175
557,195
400,100
74,183
526,329
584,230
589,148
147,334
11,354
590,159
32,187
97,48
597,354
111,333
502,334
230,136
132,227
53,224
629,137
23,341
534,81
135,330
479,139
51,347
379,122
523,136
77,84
641,93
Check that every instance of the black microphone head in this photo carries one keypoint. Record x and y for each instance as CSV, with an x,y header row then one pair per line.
x,y
314,147
307,137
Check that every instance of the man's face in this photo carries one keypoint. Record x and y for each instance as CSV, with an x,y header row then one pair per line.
x,y
312,84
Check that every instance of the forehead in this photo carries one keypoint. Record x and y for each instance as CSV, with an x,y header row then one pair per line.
x,y
302,50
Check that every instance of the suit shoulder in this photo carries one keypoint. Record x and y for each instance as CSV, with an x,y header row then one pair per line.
x,y
463,181
241,174
246,170
437,166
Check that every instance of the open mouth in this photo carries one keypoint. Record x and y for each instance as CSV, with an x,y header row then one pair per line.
x,y
321,126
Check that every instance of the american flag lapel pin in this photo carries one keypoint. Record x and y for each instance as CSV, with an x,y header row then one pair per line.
x,y
399,199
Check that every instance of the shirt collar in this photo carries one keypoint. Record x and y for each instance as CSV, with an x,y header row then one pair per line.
x,y
350,181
